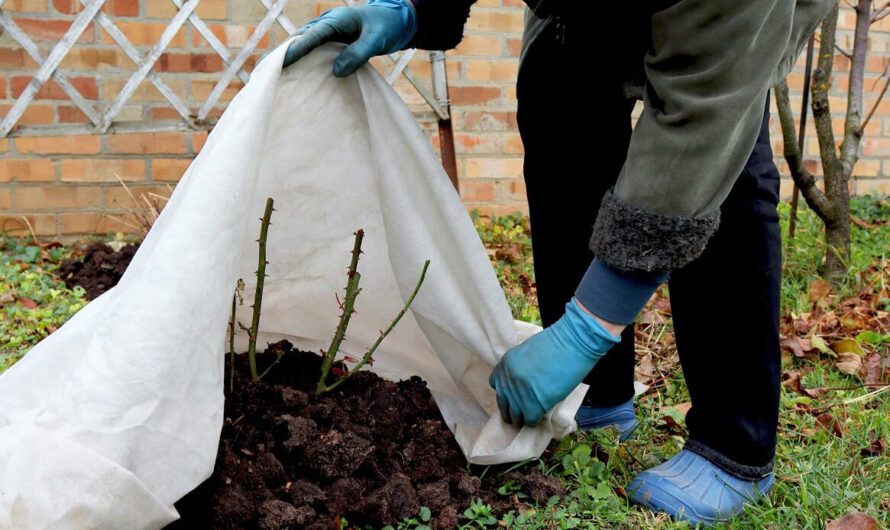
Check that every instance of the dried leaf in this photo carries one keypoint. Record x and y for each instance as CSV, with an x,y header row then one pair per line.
x,y
668,423
819,291
798,346
877,448
646,370
853,521
791,379
831,424
848,346
876,369
820,344
849,363
27,302
7,298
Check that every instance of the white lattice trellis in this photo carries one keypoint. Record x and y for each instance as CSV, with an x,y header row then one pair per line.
x,y
103,121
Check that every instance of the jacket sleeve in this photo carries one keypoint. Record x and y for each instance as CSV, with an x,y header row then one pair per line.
x,y
440,23
708,70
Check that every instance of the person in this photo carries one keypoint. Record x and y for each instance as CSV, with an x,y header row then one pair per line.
x,y
688,195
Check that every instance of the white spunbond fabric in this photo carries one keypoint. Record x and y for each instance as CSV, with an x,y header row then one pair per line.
x,y
114,417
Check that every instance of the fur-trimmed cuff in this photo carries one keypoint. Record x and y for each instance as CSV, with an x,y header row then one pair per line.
x,y
629,239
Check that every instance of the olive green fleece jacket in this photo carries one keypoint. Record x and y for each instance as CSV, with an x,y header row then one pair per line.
x,y
707,71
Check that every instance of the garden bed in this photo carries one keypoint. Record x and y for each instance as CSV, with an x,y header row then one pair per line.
x,y
373,452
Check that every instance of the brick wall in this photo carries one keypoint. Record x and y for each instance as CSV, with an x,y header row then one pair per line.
x,y
68,184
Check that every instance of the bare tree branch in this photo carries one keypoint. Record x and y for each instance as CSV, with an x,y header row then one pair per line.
x,y
881,13
852,131
861,131
805,181
843,52
821,87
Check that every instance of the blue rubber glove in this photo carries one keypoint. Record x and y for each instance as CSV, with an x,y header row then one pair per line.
x,y
532,377
376,28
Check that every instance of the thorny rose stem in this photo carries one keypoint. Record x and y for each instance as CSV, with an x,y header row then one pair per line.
x,y
348,307
258,294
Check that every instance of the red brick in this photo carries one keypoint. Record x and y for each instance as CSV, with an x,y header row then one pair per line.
x,y
489,120
479,45
69,145
159,9
101,170
12,58
145,143
80,58
26,170
68,7
473,95
477,143
145,34
57,197
122,8
876,147
16,225
96,223
511,190
198,140
231,35
25,6
201,89
880,186
118,8
491,168
72,115
34,114
487,70
514,47
118,197
163,113
513,145
52,30
189,62
50,90
496,21
477,191
169,169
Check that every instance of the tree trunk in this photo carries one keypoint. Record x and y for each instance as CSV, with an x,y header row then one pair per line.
x,y
837,238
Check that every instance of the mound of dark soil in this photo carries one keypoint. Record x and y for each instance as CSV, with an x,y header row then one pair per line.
x,y
98,269
371,451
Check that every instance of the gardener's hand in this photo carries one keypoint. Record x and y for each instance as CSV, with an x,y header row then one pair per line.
x,y
376,28
534,376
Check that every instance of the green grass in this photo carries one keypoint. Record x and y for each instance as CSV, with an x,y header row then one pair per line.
x,y
33,302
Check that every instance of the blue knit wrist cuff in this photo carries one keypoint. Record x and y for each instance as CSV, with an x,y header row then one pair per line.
x,y
616,296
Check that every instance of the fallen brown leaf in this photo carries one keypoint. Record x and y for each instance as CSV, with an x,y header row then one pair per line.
x,y
800,347
669,424
853,521
646,370
831,424
877,448
27,302
849,363
791,379
876,369
819,291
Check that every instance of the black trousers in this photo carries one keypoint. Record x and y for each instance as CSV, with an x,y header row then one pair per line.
x,y
725,305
